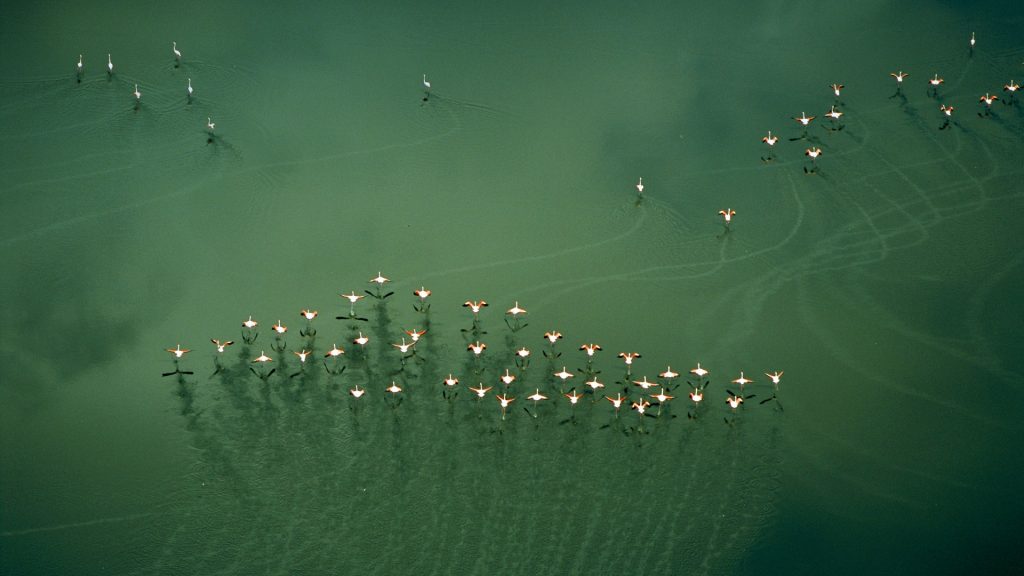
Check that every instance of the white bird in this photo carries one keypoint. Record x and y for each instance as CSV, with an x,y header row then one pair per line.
x,y
110,65
426,83
79,63
177,53
189,87
137,94
210,125
640,185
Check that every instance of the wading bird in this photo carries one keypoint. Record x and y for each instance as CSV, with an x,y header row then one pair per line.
x,y
770,140
380,281
727,215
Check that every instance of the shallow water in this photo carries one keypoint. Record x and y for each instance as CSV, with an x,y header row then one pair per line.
x,y
886,285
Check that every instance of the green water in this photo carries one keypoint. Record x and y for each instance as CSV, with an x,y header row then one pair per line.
x,y
886,285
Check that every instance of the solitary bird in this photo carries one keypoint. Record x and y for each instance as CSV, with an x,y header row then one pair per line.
x,y
210,125
177,53
78,68
137,94
189,89
640,186
110,65
727,214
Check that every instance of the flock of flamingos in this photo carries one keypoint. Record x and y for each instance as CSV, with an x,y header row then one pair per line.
x,y
638,395
647,393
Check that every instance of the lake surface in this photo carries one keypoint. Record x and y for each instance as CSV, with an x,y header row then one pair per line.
x,y
884,279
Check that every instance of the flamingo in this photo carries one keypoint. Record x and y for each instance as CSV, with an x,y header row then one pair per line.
x,y
221,345
79,65
474,305
178,351
426,83
617,401
742,381
699,372
594,384
189,89
505,401
137,94
177,53
640,186
645,384
508,378
210,125
481,390
110,65
804,119
356,392
727,214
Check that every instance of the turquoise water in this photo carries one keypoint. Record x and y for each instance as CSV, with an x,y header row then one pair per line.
x,y
885,284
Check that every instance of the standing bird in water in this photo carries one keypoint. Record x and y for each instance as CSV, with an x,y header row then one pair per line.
x,y
1012,88
426,88
138,96
987,99
770,140
209,128
110,66
189,90
899,76
177,54
948,112
972,42
727,215
813,154
78,68
640,186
